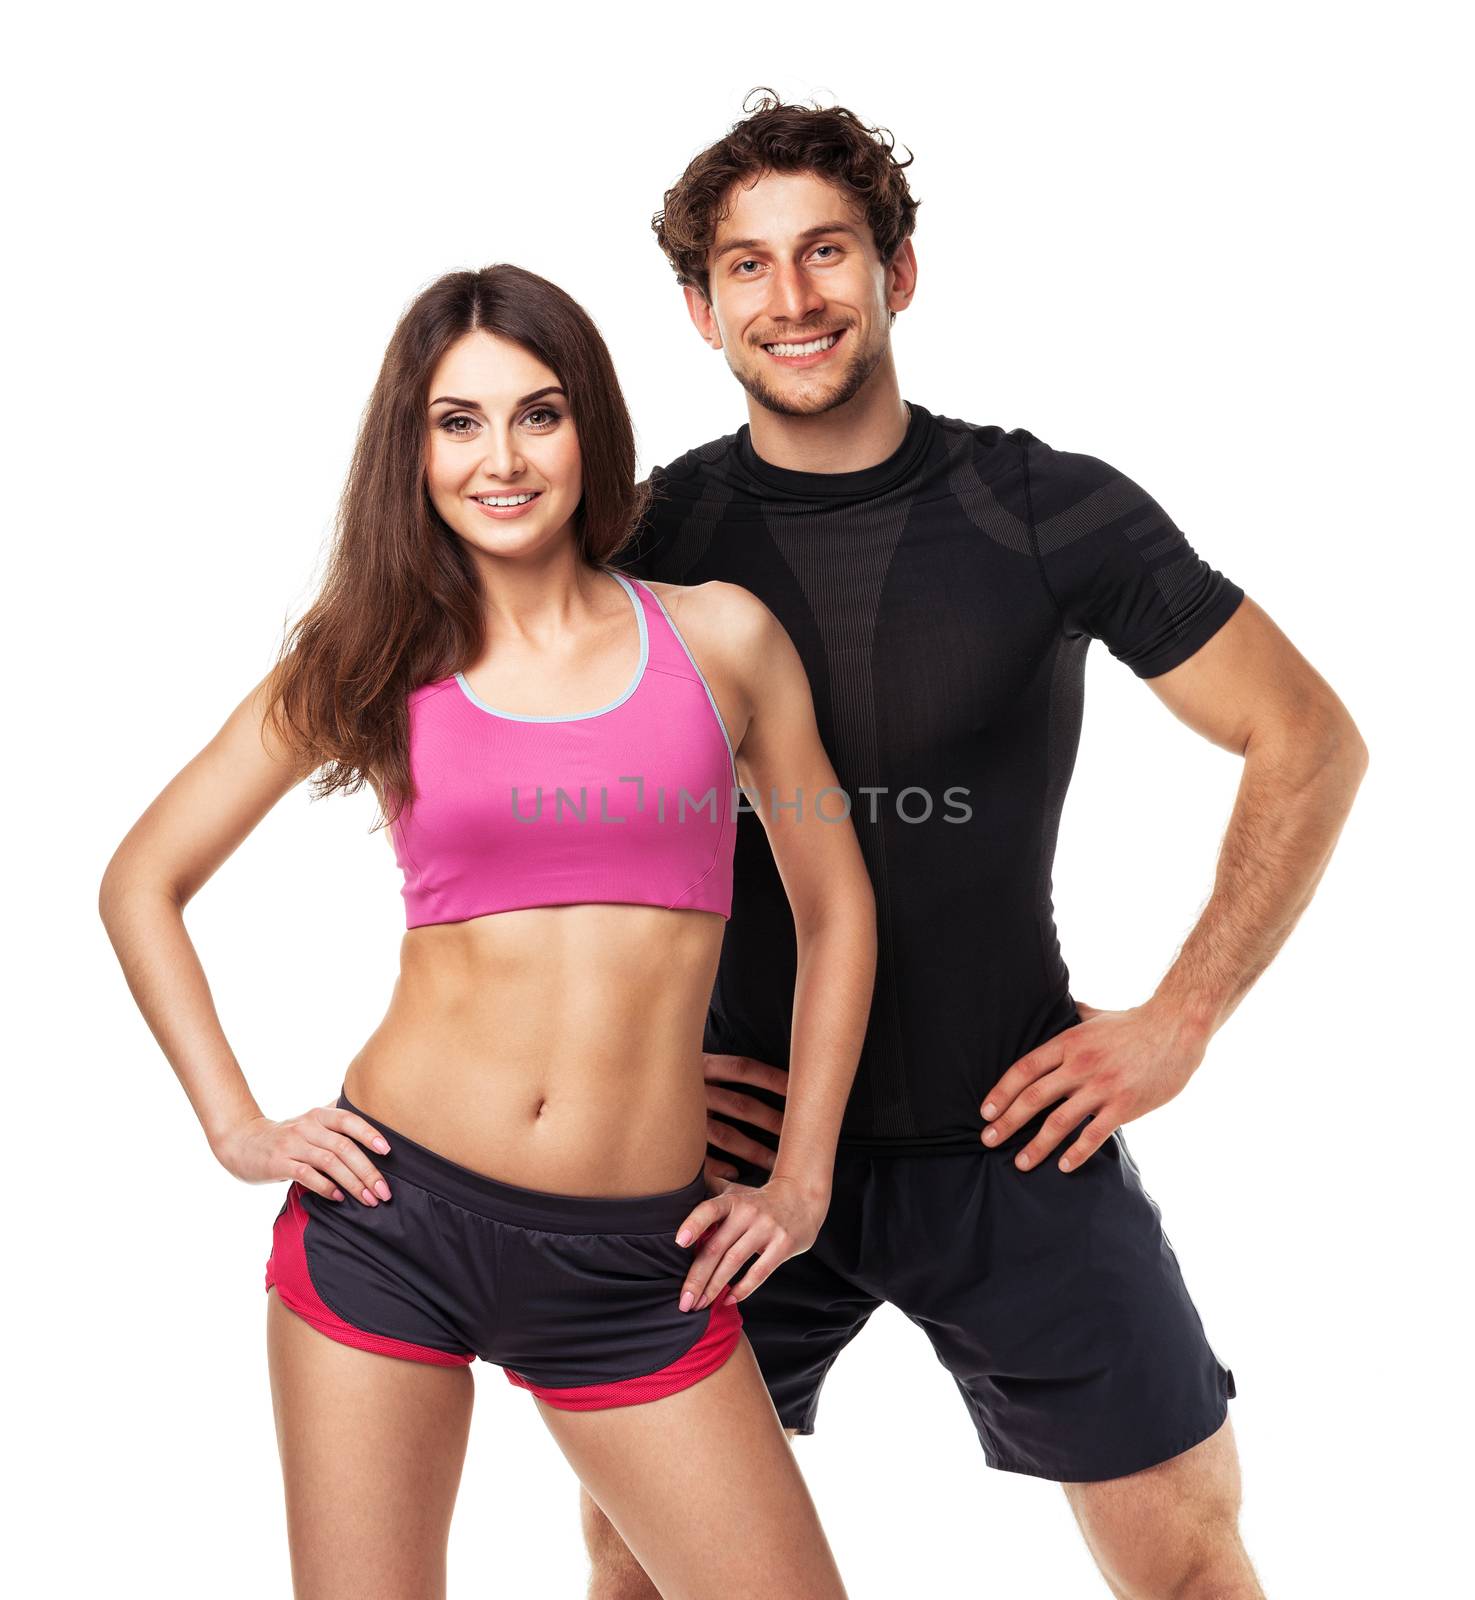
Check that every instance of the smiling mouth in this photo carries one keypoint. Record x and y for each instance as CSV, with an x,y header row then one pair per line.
x,y
792,350
507,501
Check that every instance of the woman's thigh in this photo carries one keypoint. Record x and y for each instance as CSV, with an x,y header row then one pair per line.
x,y
703,1487
372,1448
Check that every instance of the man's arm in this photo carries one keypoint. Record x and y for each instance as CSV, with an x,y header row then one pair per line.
x,y
1249,690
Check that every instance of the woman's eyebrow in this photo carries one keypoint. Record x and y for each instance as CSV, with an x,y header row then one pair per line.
x,y
471,405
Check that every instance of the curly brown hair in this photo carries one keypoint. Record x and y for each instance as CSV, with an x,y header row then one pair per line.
x,y
774,137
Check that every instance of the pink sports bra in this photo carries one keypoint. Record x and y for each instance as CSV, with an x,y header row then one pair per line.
x,y
634,802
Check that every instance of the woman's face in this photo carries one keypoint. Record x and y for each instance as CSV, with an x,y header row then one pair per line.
x,y
500,432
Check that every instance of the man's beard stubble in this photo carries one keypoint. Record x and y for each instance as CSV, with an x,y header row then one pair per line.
x,y
851,381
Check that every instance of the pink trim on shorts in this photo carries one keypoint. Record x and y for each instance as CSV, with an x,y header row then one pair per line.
x,y
287,1270
724,1327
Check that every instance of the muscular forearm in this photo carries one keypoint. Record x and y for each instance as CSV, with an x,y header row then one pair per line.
x,y
832,999
163,971
1297,788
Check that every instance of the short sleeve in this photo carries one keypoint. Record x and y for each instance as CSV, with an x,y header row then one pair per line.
x,y
1116,565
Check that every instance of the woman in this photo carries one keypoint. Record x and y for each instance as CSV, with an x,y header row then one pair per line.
x,y
508,1171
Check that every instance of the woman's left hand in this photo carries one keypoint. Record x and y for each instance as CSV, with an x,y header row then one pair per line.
x,y
773,1223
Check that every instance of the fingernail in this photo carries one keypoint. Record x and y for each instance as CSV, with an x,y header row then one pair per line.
x,y
381,1189
369,1200
731,1299
1065,1166
992,1136
684,1237
338,1194
1023,1160
381,1147
990,1110
702,1303
686,1300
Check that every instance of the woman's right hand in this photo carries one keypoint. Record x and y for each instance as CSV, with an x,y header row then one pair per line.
x,y
316,1149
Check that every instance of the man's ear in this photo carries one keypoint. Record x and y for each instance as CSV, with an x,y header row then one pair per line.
x,y
901,277
699,309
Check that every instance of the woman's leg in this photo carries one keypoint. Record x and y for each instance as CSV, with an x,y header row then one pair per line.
x,y
703,1487
372,1448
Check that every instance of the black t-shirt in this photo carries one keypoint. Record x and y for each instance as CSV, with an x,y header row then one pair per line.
x,y
942,602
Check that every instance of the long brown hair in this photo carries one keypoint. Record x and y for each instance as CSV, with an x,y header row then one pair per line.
x,y
830,141
400,602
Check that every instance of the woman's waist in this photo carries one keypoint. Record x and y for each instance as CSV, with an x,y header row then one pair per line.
x,y
588,1120
544,1206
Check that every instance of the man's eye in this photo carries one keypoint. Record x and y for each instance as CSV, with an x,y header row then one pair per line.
x,y
742,264
825,247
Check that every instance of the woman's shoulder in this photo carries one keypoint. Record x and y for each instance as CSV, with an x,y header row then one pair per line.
x,y
724,611
733,637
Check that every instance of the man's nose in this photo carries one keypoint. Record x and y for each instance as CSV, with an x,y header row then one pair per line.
x,y
794,296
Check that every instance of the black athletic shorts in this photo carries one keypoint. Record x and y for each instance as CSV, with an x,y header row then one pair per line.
x,y
574,1296
1053,1299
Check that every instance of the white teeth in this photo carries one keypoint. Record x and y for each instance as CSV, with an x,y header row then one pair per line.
x,y
504,499
810,349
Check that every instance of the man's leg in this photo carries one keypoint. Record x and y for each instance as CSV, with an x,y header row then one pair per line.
x,y
614,1574
1171,1530
1059,1309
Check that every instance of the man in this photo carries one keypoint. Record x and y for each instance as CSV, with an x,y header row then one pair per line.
x,y
941,582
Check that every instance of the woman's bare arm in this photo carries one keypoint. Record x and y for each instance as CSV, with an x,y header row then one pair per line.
x,y
179,842
784,770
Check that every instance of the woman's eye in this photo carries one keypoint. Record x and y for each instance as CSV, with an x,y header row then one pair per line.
x,y
458,426
550,417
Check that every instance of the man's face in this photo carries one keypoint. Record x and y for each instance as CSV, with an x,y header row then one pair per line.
x,y
800,300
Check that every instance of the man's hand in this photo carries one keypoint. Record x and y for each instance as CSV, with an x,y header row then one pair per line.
x,y
1114,1067
719,1071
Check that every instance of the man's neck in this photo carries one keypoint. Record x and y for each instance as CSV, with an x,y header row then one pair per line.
x,y
862,433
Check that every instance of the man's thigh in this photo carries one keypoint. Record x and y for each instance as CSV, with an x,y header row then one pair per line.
x,y
1056,1303
801,1318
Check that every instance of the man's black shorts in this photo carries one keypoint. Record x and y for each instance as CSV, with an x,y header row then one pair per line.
x,y
1053,1299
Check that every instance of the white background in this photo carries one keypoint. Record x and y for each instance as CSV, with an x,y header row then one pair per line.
x,y
1215,247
